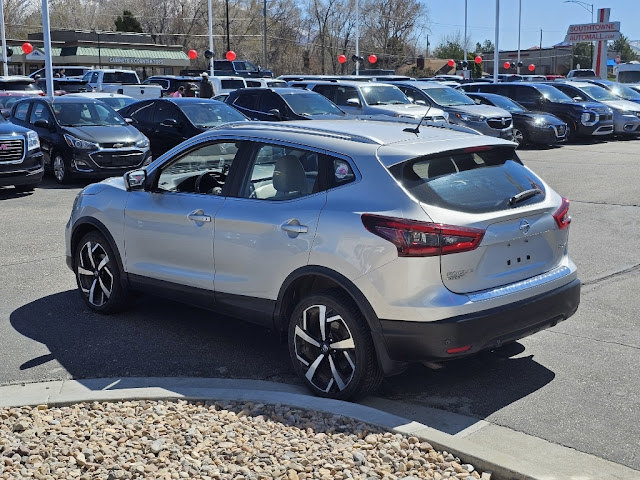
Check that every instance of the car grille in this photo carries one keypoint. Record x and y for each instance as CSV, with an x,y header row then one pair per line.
x,y
117,159
118,145
499,123
11,150
606,117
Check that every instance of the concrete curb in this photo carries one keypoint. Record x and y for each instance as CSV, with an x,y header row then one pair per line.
x,y
64,392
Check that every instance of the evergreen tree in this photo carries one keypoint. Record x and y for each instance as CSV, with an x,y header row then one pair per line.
x,y
127,23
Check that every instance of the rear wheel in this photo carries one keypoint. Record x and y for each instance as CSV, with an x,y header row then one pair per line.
x,y
331,347
98,275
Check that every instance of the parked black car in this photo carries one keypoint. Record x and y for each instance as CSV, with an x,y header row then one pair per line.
x,y
276,104
170,121
529,127
583,119
21,163
82,137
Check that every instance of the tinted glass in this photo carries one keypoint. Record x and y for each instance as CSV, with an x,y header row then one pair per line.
x,y
117,102
383,95
526,94
472,180
142,112
7,101
553,94
21,111
165,111
598,93
207,115
40,111
119,77
328,91
629,77
506,103
20,86
311,103
270,101
247,100
86,114
253,83
232,84
447,96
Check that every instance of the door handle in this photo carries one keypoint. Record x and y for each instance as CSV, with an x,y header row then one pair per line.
x,y
199,216
293,227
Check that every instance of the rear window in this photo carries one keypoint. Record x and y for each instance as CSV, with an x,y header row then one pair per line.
x,y
232,84
475,180
20,85
120,77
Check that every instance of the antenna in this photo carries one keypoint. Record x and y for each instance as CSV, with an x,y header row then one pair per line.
x,y
417,129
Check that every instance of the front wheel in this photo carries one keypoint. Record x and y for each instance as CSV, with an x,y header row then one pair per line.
x,y
519,136
98,275
61,169
331,347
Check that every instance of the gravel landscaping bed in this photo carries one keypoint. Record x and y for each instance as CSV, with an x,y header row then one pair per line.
x,y
209,440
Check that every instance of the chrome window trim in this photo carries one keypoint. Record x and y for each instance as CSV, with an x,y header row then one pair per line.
x,y
532,282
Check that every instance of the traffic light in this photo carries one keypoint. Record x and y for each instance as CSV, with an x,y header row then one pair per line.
x,y
9,52
356,58
208,54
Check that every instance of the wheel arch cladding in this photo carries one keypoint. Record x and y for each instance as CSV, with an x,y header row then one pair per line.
x,y
86,225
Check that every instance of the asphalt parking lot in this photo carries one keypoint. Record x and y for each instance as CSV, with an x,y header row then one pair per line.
x,y
575,384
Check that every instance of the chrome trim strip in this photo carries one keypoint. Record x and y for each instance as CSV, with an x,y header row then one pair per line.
x,y
604,130
532,282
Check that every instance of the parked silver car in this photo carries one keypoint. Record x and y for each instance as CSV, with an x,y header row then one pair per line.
x,y
369,243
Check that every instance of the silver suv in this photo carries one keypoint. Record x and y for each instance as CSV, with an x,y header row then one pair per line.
x,y
369,244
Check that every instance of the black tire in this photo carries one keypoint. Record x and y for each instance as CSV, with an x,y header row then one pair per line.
x,y
520,137
348,370
26,188
61,169
98,276
571,132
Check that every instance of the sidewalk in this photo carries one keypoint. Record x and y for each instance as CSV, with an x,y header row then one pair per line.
x,y
490,448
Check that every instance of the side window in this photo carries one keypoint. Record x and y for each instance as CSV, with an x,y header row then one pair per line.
x,y
328,91
165,111
143,113
343,94
341,172
252,83
246,100
203,170
21,111
270,101
39,112
526,95
94,77
281,173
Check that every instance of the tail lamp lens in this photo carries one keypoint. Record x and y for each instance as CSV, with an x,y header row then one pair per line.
x,y
423,239
562,215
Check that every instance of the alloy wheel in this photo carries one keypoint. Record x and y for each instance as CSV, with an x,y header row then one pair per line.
x,y
59,169
325,349
518,136
94,273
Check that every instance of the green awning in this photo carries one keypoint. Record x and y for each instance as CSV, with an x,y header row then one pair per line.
x,y
122,53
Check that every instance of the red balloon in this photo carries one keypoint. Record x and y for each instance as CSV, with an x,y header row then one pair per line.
x,y
507,65
451,63
342,58
478,59
231,55
27,48
532,67
373,59
192,54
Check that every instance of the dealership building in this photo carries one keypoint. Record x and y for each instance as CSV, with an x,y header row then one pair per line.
x,y
99,49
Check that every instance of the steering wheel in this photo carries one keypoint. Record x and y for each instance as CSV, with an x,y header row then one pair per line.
x,y
207,182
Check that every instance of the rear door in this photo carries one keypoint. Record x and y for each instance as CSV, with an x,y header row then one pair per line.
x,y
473,189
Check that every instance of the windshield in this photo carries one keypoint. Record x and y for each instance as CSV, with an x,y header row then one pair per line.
x,y
507,104
474,180
310,103
553,94
598,93
383,95
86,114
447,97
632,76
21,86
625,92
209,114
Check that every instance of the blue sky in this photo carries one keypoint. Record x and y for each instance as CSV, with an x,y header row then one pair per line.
x,y
552,16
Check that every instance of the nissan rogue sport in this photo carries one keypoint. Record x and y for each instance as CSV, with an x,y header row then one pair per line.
x,y
369,244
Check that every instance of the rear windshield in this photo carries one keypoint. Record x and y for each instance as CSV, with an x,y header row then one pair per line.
x,y
120,77
232,84
474,180
20,85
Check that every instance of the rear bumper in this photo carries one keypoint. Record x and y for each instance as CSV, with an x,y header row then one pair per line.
x,y
422,341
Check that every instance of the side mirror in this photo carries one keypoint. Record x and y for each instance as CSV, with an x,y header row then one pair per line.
x,y
135,179
418,102
354,102
577,99
276,113
130,121
42,123
169,122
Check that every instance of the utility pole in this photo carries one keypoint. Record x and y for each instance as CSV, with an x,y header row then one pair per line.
x,y
540,50
496,51
358,36
428,45
519,24
264,34
4,40
464,59
211,38
227,12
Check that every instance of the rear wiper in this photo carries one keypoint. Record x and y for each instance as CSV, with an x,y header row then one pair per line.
x,y
524,195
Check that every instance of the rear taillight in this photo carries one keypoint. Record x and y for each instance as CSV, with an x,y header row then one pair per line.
x,y
423,239
562,215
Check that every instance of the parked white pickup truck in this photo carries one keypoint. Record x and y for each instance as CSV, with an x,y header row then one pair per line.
x,y
125,82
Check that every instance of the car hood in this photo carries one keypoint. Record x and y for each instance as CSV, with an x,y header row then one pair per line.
x,y
7,128
587,105
102,134
483,110
622,105
547,118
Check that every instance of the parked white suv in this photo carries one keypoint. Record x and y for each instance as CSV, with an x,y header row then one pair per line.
x,y
370,244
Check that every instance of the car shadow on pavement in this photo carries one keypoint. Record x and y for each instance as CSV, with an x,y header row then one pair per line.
x,y
154,338
161,338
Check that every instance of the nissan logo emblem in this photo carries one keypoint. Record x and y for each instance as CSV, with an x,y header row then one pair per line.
x,y
524,226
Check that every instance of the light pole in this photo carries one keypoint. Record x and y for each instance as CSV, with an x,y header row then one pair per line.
x,y
519,23
4,40
227,11
589,8
464,58
264,34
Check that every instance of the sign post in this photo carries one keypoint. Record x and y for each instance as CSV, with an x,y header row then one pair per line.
x,y
600,32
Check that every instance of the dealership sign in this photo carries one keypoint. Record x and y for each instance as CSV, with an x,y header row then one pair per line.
x,y
136,61
593,32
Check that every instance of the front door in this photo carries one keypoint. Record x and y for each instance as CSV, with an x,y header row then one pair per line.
x,y
169,229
